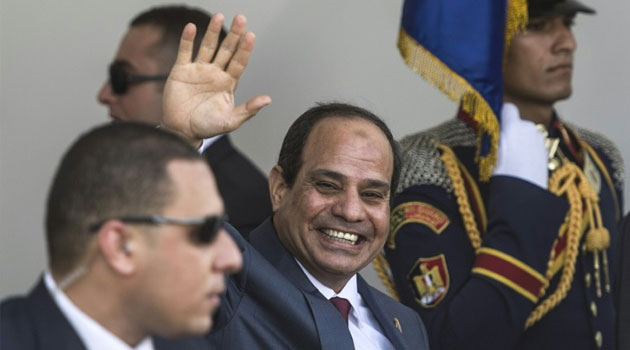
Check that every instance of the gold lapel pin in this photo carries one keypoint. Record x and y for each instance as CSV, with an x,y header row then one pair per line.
x,y
397,324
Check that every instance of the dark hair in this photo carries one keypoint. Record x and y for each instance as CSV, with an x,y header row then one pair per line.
x,y
290,159
113,170
172,20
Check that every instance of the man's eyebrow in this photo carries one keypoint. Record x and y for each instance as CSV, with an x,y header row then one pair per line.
x,y
370,183
377,184
327,173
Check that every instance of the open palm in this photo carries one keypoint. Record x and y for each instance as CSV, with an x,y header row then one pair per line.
x,y
199,94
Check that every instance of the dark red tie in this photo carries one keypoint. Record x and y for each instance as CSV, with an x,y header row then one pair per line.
x,y
343,305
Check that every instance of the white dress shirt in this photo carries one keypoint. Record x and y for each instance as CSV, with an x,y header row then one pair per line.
x,y
208,142
364,328
93,335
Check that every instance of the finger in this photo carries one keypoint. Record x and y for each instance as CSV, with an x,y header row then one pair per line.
x,y
230,43
184,53
250,108
209,42
241,57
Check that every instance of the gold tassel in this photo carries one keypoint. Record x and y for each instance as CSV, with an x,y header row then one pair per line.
x,y
570,180
598,238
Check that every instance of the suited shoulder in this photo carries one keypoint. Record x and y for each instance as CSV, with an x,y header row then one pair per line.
x,y
13,309
11,303
421,156
16,331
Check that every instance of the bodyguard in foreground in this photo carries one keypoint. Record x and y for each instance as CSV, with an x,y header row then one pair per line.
x,y
136,245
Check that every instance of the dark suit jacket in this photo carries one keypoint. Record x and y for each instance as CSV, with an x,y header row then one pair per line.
x,y
35,322
623,287
271,304
243,187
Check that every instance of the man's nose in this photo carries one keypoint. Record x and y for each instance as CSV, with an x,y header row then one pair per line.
x,y
564,39
106,96
349,206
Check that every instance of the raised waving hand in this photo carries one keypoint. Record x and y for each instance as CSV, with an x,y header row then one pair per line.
x,y
199,94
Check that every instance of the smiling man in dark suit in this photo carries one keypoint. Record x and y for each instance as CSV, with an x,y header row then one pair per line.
x,y
300,287
133,92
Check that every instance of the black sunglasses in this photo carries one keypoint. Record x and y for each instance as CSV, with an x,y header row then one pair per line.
x,y
207,227
120,79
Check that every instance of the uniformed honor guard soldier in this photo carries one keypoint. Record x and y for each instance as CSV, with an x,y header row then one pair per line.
x,y
526,260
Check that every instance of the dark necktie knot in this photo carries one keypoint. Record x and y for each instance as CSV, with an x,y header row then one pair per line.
x,y
343,305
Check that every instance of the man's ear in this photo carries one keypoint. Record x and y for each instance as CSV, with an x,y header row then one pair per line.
x,y
277,186
116,245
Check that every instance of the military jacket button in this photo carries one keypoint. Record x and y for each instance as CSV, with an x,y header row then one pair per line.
x,y
599,339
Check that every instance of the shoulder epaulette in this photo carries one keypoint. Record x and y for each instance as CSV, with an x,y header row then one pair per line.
x,y
604,145
421,157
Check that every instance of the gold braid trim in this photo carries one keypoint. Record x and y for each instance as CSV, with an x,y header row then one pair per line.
x,y
474,104
438,74
450,162
382,270
568,181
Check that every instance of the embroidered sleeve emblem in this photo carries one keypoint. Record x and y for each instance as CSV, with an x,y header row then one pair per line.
x,y
416,212
429,280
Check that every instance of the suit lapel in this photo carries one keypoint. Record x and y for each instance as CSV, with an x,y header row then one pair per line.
x,y
266,241
55,329
388,324
332,330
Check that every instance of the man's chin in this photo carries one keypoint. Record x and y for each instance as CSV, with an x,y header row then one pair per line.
x,y
560,96
341,269
193,329
562,92
565,95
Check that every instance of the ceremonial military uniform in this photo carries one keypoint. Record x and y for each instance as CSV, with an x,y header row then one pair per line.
x,y
505,264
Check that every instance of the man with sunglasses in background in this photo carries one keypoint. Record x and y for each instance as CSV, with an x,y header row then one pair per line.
x,y
136,247
133,92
